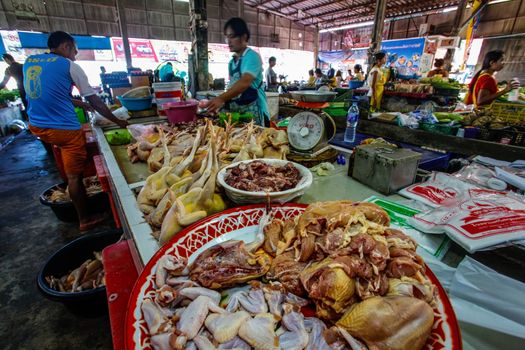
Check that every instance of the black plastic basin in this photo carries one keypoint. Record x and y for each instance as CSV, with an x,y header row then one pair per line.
x,y
89,303
65,211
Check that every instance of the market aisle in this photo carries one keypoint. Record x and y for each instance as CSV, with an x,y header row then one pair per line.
x,y
29,234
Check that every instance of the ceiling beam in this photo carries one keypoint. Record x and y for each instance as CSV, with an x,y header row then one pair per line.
x,y
342,20
293,3
359,17
322,14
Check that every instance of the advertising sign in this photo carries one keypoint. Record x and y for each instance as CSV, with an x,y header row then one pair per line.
x,y
404,55
140,48
13,45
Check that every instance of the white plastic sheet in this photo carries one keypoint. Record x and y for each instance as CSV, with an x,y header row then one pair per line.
x,y
489,306
493,294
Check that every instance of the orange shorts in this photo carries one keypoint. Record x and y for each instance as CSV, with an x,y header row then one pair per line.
x,y
72,144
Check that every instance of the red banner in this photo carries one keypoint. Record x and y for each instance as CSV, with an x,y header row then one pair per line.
x,y
140,48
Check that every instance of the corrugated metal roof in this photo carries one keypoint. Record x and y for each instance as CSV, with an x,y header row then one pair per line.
x,y
331,13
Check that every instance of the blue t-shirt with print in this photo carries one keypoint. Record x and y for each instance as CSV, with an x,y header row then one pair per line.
x,y
48,84
251,63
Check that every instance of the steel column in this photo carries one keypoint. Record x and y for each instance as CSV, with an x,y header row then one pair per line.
x,y
123,24
199,46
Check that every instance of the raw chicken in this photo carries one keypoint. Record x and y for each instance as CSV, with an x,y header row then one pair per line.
x,y
259,332
193,318
227,264
226,326
235,344
296,338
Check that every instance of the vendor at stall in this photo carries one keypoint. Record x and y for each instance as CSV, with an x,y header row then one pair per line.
x,y
14,70
439,63
358,73
338,78
311,77
271,76
48,81
246,92
319,77
376,81
483,88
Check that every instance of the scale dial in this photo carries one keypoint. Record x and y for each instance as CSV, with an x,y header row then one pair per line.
x,y
305,130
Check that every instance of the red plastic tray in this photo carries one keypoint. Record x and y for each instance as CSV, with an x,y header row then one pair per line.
x,y
121,275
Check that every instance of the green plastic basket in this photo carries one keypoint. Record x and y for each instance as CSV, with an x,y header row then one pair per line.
x,y
336,112
439,128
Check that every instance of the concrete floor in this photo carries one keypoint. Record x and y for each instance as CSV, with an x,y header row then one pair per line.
x,y
29,234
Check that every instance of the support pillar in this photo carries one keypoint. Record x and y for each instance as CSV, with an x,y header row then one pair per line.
x,y
123,24
199,46
377,33
316,46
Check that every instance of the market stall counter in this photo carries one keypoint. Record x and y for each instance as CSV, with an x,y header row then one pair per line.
x,y
336,185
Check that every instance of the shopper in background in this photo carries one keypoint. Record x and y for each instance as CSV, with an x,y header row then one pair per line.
x,y
166,72
245,93
319,77
439,63
483,88
376,81
271,77
349,77
48,81
14,70
311,78
331,78
358,73
338,78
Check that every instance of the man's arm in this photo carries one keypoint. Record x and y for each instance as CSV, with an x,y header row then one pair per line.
x,y
81,104
99,106
7,76
81,82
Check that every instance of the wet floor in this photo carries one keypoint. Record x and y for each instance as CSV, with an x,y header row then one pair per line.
x,y
29,234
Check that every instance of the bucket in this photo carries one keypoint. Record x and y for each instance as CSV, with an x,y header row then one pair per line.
x,y
167,90
89,303
65,211
166,93
181,112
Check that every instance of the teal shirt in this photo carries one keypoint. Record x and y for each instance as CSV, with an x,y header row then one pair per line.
x,y
251,63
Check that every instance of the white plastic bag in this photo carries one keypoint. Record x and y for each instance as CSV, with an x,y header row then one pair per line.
x,y
121,113
480,219
440,189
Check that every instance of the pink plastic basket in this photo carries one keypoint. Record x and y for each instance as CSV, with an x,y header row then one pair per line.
x,y
181,112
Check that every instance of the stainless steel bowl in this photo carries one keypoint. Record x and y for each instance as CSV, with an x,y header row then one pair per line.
x,y
313,96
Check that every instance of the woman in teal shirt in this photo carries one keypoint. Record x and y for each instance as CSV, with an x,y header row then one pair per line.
x,y
245,91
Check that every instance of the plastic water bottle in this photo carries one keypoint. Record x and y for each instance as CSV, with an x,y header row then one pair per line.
x,y
351,122
514,94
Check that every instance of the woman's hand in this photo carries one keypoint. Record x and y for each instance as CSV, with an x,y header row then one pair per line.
x,y
514,84
214,105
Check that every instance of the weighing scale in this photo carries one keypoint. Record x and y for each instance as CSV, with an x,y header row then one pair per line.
x,y
309,132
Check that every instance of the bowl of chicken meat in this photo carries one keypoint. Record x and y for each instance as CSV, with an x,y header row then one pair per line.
x,y
260,180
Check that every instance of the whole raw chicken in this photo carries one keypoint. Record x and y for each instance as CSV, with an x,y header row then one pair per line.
x,y
227,264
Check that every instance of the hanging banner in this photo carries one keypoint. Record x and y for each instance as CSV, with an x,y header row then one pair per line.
x,y
13,45
404,55
361,37
103,55
140,48
176,51
344,59
219,53
472,26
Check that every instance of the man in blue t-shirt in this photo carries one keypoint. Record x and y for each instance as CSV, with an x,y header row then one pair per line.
x,y
48,80
245,92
